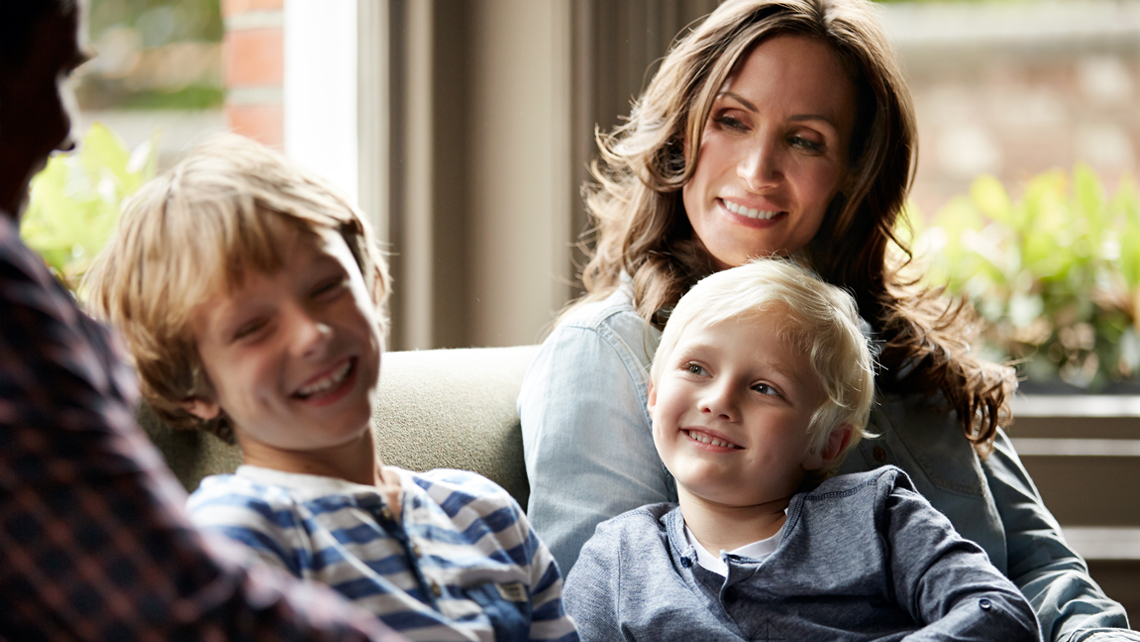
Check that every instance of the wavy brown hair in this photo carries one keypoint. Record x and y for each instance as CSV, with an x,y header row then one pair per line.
x,y
641,228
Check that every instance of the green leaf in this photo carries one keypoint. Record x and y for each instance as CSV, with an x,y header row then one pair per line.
x,y
75,200
1088,192
991,198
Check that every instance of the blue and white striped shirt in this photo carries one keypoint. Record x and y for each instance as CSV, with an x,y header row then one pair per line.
x,y
460,563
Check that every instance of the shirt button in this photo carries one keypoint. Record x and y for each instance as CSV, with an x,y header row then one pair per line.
x,y
416,550
985,603
436,590
880,454
386,513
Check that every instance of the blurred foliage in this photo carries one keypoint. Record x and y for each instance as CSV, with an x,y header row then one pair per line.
x,y
153,54
1055,275
196,97
159,21
75,200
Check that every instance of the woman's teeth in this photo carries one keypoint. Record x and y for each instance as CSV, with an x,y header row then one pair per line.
x,y
326,383
750,213
712,441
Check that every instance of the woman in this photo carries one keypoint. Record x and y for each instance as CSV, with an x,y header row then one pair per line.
x,y
781,127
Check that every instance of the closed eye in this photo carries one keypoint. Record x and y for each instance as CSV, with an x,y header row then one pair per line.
x,y
249,329
329,288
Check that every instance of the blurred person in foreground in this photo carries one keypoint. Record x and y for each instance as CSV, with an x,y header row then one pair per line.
x,y
96,543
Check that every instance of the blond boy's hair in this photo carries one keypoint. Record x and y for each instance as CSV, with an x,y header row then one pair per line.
x,y
819,318
192,233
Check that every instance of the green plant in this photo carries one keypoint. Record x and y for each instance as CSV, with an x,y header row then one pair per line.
x,y
75,200
1055,275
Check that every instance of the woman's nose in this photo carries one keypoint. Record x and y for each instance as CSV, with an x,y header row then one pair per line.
x,y
760,166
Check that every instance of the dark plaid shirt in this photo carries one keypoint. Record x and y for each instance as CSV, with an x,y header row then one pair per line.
x,y
94,542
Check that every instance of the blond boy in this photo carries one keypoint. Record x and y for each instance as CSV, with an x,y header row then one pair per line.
x,y
760,385
251,295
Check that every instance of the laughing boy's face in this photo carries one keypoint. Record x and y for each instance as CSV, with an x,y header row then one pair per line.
x,y
293,356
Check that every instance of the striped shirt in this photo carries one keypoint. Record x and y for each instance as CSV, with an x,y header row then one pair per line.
x,y
460,563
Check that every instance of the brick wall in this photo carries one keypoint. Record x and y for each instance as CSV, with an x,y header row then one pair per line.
x,y
253,55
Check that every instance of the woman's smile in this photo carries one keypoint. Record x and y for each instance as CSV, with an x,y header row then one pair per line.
x,y
752,213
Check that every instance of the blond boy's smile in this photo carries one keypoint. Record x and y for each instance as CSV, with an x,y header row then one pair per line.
x,y
708,439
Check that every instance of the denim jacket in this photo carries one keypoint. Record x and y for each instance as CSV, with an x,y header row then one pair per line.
x,y
590,456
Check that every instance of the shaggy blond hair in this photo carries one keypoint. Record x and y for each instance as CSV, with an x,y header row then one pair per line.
x,y
818,318
641,228
192,233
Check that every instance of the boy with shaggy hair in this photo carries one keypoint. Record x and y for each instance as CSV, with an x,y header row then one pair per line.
x,y
251,293
760,385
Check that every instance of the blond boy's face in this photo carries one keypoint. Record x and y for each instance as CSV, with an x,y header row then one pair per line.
x,y
293,356
730,410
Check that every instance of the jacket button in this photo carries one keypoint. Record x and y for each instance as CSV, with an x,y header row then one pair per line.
x,y
880,454
985,603
436,590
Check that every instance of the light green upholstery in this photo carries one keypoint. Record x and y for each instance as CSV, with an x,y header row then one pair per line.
x,y
438,409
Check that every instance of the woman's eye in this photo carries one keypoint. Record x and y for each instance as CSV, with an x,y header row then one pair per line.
x,y
805,144
728,122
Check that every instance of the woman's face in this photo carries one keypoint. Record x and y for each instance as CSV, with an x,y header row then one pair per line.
x,y
774,151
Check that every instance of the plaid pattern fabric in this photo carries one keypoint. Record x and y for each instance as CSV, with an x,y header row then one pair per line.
x,y
94,543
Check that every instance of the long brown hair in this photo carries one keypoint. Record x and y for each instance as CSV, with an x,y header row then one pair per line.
x,y
641,228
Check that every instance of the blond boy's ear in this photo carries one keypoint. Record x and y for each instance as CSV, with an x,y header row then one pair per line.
x,y
652,398
204,409
836,444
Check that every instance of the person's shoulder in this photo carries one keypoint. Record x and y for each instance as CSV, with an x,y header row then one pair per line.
x,y
871,485
638,537
888,474
615,311
648,520
608,326
232,490
18,260
452,489
235,504
37,306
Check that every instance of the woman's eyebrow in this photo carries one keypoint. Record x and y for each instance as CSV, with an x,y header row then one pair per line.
x,y
747,104
750,106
